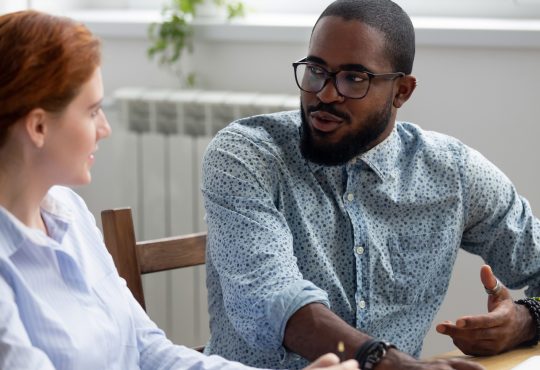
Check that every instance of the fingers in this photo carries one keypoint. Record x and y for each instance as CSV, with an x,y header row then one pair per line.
x,y
464,365
493,286
498,317
473,335
487,277
483,334
499,307
488,333
479,334
444,326
446,364
330,361
346,365
324,361
395,359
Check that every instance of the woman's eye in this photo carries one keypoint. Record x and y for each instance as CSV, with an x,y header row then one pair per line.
x,y
95,113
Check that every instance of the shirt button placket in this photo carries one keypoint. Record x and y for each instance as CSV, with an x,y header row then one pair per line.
x,y
362,304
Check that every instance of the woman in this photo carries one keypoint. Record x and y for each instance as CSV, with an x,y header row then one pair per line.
x,y
62,303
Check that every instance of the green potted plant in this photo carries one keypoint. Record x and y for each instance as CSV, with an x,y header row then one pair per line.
x,y
174,34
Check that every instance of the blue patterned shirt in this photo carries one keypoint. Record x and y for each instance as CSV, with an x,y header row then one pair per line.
x,y
63,305
374,239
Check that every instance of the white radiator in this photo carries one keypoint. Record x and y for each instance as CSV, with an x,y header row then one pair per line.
x,y
171,130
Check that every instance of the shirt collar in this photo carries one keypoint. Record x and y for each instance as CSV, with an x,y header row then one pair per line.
x,y
381,158
13,233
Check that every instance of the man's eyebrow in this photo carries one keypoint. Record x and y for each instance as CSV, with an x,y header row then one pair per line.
x,y
344,67
314,59
354,67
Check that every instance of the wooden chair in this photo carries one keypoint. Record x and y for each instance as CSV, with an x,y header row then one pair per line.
x,y
133,258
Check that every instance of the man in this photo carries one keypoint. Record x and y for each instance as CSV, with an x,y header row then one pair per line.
x,y
336,223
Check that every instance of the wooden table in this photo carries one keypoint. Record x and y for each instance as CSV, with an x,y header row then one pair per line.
x,y
505,361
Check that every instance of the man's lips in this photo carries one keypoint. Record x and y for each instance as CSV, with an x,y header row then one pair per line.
x,y
325,122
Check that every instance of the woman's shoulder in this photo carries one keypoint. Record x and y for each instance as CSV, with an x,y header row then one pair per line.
x,y
66,197
64,203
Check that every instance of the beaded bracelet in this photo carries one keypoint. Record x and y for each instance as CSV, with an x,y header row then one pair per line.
x,y
533,305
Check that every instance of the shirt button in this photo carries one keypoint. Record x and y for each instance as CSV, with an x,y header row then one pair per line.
x,y
360,250
362,304
350,197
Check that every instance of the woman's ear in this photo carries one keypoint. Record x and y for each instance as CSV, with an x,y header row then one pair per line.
x,y
35,124
405,88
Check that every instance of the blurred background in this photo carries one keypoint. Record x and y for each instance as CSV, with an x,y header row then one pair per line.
x,y
477,68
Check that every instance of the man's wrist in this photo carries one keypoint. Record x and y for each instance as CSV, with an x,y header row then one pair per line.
x,y
533,307
371,353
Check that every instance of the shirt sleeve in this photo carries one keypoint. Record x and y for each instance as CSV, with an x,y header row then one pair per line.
x,y
16,350
155,350
158,352
249,242
500,225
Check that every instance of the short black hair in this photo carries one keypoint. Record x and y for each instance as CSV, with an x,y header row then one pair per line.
x,y
387,17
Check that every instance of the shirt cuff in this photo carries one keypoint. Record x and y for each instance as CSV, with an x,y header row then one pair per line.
x,y
287,302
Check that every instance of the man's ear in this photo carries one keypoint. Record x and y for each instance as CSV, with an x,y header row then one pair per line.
x,y
405,88
35,124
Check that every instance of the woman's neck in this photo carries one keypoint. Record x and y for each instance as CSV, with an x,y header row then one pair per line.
x,y
21,194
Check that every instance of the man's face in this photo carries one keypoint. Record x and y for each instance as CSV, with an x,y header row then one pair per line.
x,y
334,128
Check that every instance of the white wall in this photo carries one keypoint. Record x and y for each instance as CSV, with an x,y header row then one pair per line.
x,y
485,96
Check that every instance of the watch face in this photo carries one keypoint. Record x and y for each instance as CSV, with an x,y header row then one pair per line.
x,y
371,353
375,356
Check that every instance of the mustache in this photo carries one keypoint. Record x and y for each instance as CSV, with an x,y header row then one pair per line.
x,y
329,108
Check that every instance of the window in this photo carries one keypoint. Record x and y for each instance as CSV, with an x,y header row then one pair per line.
x,y
452,8
70,5
458,8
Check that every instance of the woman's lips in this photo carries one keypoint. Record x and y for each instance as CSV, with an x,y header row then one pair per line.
x,y
325,122
92,156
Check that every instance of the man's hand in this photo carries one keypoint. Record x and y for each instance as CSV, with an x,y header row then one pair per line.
x,y
314,330
505,326
395,359
331,362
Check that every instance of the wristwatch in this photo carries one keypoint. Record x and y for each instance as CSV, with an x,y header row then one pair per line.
x,y
371,353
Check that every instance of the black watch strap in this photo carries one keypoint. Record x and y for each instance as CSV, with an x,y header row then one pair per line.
x,y
371,353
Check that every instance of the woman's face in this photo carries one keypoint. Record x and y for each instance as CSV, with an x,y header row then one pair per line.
x,y
72,136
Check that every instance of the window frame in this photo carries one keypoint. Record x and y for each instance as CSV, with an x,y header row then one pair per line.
x,y
439,8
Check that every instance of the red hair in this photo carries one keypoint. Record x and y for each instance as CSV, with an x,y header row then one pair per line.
x,y
44,61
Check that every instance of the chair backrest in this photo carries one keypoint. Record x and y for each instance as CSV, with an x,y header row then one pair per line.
x,y
134,258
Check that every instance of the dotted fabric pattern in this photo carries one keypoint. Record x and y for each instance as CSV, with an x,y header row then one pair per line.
x,y
374,239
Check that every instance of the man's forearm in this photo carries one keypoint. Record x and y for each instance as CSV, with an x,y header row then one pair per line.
x,y
314,330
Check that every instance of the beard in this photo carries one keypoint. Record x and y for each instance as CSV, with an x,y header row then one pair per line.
x,y
315,149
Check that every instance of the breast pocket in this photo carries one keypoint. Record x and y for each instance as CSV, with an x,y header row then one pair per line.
x,y
421,265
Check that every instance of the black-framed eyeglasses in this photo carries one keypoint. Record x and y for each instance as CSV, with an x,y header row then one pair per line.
x,y
312,78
